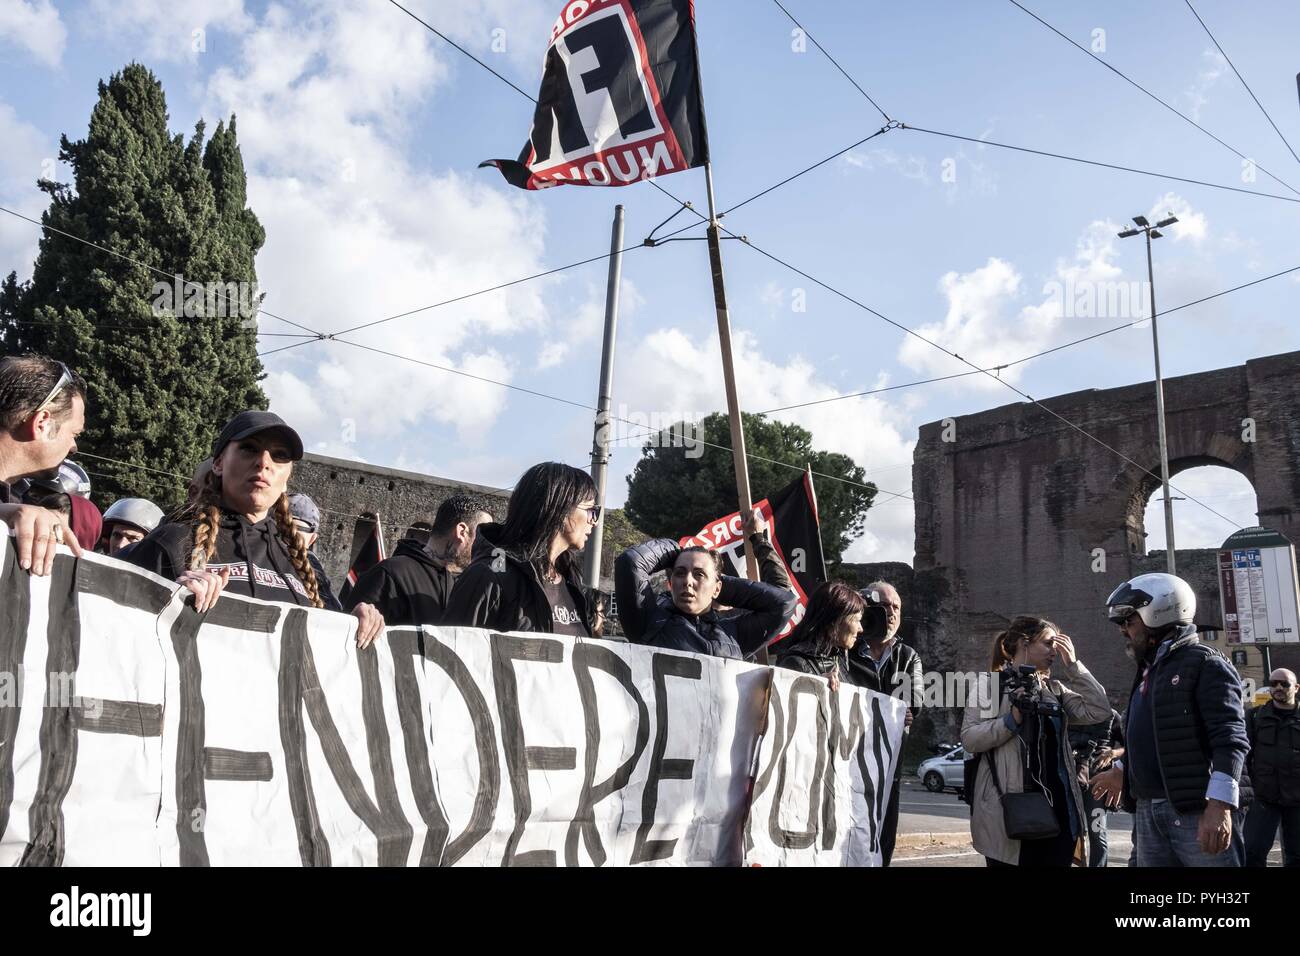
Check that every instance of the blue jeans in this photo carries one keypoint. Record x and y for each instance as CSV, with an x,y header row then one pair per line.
x,y
1098,833
1261,830
1166,837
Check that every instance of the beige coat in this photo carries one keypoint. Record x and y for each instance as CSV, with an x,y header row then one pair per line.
x,y
1084,702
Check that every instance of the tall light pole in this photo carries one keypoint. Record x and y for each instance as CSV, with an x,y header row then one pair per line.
x,y
1153,232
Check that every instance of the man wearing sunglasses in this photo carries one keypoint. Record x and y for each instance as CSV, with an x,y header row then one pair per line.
x,y
42,411
1274,729
1185,732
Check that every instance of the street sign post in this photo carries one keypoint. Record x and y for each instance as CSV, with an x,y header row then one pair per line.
x,y
1258,588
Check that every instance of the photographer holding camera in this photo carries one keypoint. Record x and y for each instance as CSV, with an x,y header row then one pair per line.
x,y
1026,809
881,662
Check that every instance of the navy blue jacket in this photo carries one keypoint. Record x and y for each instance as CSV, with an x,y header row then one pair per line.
x,y
649,616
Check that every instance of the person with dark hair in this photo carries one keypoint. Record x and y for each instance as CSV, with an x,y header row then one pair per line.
x,y
239,533
1095,748
1022,744
414,585
820,642
687,618
525,573
42,411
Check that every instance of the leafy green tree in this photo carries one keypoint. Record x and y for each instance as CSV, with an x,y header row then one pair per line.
x,y
164,371
671,494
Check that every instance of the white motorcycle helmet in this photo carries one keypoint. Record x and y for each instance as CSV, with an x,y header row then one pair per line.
x,y
1160,600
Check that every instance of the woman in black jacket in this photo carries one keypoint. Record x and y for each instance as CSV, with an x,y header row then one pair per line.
x,y
525,574
686,618
820,642
238,534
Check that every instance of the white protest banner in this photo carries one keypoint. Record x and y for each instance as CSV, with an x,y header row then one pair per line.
x,y
825,768
132,732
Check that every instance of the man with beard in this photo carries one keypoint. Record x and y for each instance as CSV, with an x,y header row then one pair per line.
x,y
1185,732
42,411
1274,730
413,586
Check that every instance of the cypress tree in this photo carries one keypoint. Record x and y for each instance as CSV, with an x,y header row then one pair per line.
x,y
162,379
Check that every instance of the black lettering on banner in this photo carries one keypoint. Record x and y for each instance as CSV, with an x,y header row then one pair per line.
x,y
790,839
880,742
15,616
585,657
58,734
129,717
437,850
191,763
313,848
387,822
607,38
521,758
662,666
236,765
842,747
776,729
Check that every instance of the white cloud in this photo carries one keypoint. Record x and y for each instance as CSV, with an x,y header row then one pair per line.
x,y
27,156
1195,525
1190,225
871,431
1213,67
358,229
170,30
35,26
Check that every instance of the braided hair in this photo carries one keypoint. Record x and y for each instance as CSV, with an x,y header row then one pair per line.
x,y
205,514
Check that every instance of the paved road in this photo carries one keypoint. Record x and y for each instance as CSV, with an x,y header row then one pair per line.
x,y
922,813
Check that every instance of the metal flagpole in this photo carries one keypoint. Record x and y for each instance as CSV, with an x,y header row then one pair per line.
x,y
821,546
600,440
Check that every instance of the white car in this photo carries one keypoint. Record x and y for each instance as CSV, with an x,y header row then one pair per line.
x,y
944,772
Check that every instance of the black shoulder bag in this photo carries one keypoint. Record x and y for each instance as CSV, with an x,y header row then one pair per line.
x,y
1027,816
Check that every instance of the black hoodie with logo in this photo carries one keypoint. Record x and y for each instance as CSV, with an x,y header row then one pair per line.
x,y
259,563
410,588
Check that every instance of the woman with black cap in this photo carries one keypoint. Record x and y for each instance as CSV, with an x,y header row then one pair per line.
x,y
238,534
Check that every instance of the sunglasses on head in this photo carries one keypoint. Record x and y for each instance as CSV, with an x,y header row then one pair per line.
x,y
65,379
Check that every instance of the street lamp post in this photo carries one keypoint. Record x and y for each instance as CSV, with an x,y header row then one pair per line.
x,y
1153,232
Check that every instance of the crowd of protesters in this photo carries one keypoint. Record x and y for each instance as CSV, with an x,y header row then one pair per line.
x,y
1045,762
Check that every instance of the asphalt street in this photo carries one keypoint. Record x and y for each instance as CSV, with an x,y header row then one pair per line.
x,y
934,830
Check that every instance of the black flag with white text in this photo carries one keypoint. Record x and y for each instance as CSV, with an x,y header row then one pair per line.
x,y
620,97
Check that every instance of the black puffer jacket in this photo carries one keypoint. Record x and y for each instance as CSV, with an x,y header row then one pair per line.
x,y
503,592
649,616
410,588
805,657
259,562
1275,754
1200,726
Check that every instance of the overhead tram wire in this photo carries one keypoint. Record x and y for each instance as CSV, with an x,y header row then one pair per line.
x,y
828,56
1225,56
1093,162
1139,86
1036,355
145,265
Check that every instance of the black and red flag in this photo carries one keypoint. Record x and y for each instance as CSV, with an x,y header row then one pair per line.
x,y
366,553
794,531
620,98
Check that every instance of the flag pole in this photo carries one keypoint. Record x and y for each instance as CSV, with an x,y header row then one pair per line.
x,y
600,439
821,546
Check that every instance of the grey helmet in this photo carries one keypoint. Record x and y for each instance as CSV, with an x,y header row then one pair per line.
x,y
74,479
1160,600
137,512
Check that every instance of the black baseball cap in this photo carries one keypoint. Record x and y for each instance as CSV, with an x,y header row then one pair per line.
x,y
252,422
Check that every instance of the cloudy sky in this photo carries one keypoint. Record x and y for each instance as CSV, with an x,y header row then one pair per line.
x,y
361,132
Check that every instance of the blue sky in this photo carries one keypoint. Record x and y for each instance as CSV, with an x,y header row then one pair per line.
x,y
361,132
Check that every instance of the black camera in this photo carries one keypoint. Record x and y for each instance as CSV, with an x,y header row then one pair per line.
x,y
1025,687
875,618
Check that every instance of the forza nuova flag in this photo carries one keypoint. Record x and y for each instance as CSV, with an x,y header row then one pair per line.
x,y
793,528
620,97
366,553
